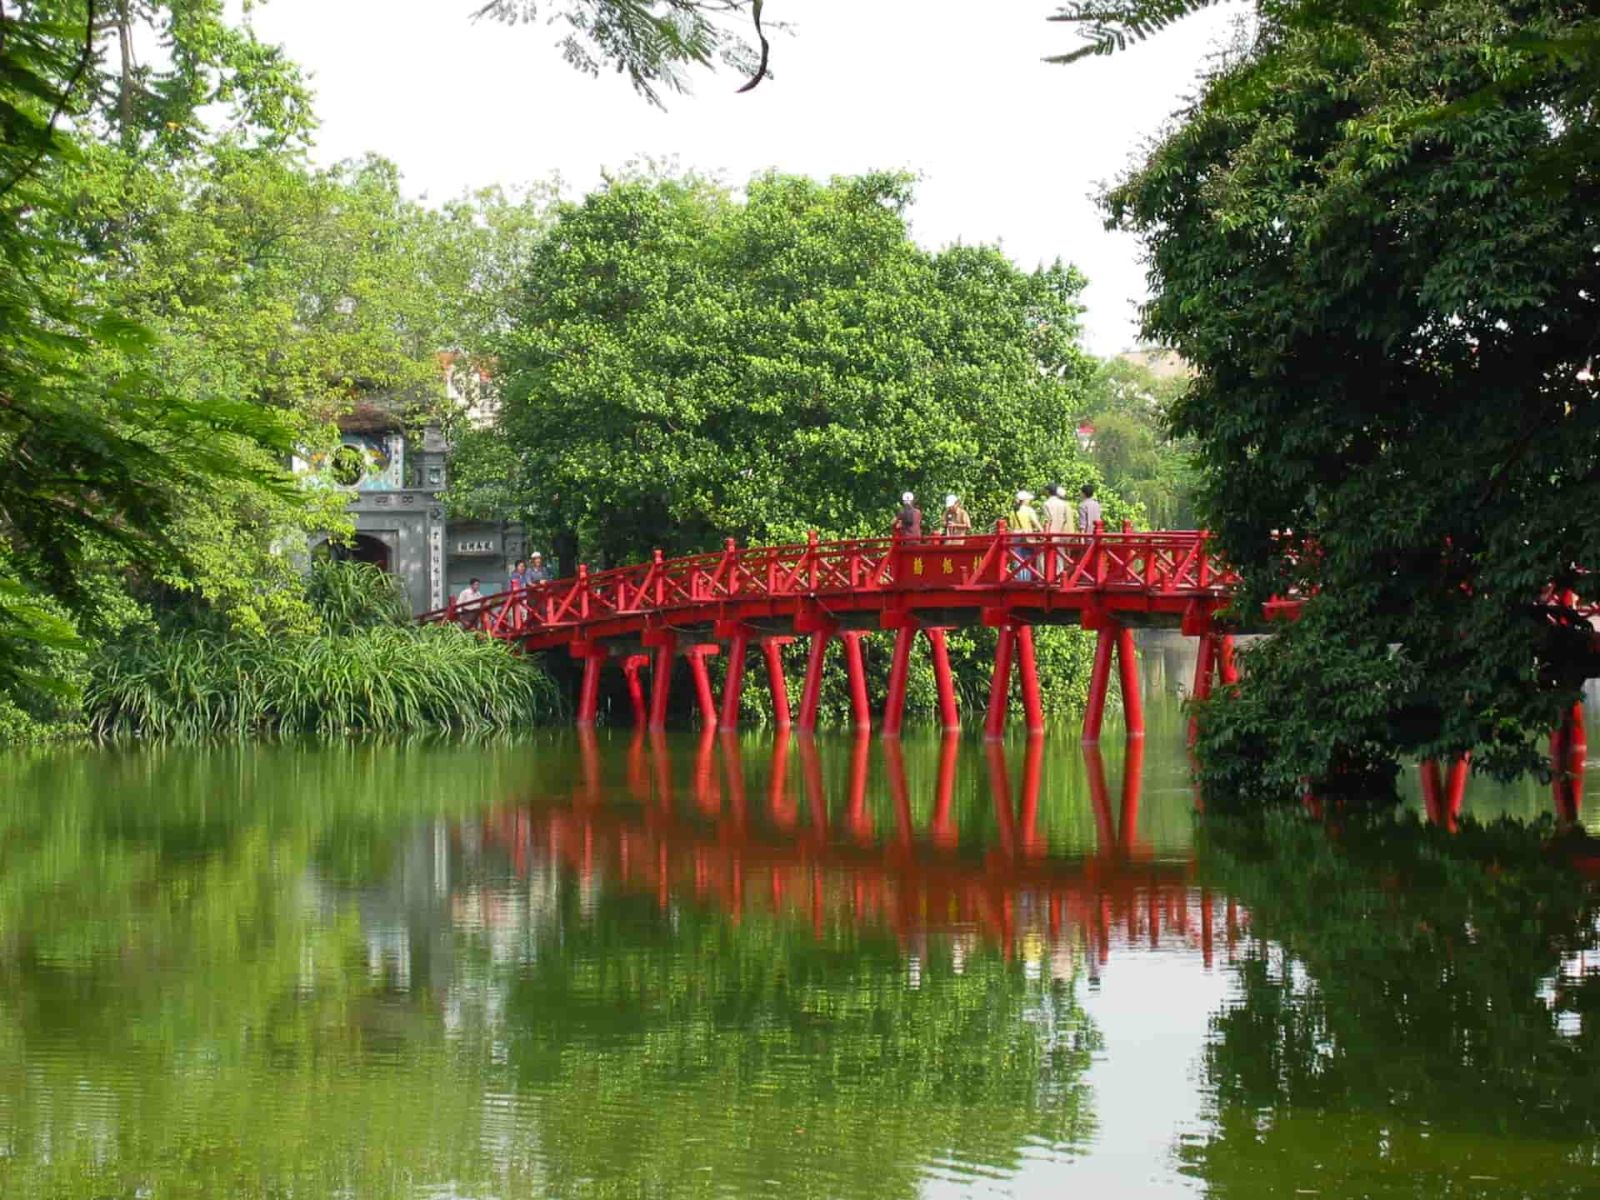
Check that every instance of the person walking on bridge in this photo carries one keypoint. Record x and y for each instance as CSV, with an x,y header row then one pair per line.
x,y
1089,510
1026,520
908,521
1057,511
956,521
469,595
1058,519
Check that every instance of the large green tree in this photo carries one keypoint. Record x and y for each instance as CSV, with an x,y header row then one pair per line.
x,y
184,303
96,456
1128,405
1373,234
687,365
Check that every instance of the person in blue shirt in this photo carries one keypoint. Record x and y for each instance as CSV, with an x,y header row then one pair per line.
x,y
536,572
519,576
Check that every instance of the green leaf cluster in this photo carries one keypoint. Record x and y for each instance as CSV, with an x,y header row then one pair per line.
x,y
1128,406
1374,236
687,365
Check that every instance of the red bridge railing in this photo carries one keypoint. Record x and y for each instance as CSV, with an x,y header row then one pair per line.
x,y
913,586
1165,566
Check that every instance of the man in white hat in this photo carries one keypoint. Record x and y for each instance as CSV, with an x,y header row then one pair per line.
x,y
908,521
1058,519
1057,511
956,521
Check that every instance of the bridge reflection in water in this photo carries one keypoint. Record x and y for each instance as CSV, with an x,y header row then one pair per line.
x,y
802,847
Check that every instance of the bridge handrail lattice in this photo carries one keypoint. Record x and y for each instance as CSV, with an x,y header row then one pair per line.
x,y
1168,563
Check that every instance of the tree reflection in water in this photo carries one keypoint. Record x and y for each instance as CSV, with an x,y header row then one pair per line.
x,y
722,966
1418,1013
262,972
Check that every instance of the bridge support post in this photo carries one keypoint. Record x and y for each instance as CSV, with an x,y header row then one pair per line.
x,y
811,693
631,666
894,710
1432,790
1094,712
702,684
1568,750
1028,668
1227,667
1128,678
949,714
860,706
994,725
1456,787
772,651
589,690
738,646
666,648
1205,665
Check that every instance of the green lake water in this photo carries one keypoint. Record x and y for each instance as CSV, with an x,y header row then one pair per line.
x,y
735,967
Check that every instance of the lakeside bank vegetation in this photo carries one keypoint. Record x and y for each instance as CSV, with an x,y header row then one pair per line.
x,y
366,669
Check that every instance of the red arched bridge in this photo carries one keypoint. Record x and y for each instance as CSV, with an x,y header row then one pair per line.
x,y
651,613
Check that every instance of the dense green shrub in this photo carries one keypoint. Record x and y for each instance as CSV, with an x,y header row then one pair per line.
x,y
374,680
347,596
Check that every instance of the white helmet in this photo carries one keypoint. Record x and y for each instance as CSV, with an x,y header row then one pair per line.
x,y
950,500
1024,497
905,498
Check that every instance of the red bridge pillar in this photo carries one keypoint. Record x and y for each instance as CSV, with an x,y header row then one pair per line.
x,y
1568,751
702,682
594,658
1128,679
811,694
894,709
665,644
1028,668
1205,667
1114,640
1442,796
1456,785
772,651
994,725
738,646
1094,710
855,665
949,714
631,666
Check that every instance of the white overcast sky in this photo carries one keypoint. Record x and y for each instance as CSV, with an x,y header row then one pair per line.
x,y
1008,148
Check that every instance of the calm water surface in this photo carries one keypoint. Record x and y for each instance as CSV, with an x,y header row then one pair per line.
x,y
746,968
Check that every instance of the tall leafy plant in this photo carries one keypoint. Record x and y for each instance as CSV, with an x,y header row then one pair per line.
x,y
1374,235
